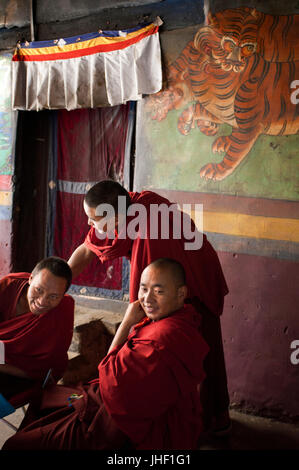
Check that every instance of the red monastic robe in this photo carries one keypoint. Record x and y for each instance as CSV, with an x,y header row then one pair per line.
x,y
146,398
204,275
34,343
150,385
206,284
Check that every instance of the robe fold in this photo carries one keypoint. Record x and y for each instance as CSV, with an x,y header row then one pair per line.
x,y
146,396
204,275
34,343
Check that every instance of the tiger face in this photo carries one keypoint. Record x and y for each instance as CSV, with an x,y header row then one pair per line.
x,y
235,54
227,42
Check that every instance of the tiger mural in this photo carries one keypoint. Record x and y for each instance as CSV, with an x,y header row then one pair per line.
x,y
238,69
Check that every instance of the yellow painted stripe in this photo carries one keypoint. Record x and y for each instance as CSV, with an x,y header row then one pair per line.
x,y
252,226
5,198
84,44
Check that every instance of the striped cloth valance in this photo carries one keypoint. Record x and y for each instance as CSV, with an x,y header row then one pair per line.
x,y
107,68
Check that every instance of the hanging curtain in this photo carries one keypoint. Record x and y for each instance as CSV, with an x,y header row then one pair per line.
x,y
106,68
91,146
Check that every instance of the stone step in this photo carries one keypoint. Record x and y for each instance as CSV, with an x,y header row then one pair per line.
x,y
109,305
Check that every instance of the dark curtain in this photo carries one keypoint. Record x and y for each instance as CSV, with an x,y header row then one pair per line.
x,y
30,189
90,146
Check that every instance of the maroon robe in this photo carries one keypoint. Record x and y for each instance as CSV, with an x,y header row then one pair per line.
x,y
34,343
204,275
147,397
155,397
206,290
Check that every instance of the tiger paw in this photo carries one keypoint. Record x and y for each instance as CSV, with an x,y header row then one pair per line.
x,y
156,109
158,105
213,171
186,120
221,144
207,127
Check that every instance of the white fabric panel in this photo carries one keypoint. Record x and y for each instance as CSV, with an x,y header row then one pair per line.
x,y
147,58
99,91
113,87
102,79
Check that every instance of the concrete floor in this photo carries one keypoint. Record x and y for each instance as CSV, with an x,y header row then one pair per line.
x,y
255,433
249,433
5,430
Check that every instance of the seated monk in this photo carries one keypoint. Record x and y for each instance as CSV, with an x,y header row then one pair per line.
x,y
36,325
147,393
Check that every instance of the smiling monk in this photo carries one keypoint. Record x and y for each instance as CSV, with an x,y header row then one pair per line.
x,y
36,324
147,394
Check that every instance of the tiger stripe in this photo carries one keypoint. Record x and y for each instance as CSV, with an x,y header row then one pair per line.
x,y
266,106
277,73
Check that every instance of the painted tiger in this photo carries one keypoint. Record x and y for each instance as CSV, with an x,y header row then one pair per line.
x,y
238,70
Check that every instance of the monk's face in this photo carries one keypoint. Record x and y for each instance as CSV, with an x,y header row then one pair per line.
x,y
158,293
45,291
97,221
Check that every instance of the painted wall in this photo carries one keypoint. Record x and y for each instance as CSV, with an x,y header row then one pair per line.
x,y
250,216
7,137
224,132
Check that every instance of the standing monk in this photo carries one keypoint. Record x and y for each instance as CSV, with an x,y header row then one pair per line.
x,y
109,237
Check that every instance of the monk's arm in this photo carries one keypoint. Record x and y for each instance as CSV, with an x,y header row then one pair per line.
x,y
12,370
80,259
133,315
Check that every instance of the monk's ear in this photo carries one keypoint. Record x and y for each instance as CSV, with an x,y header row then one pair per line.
x,y
182,292
30,279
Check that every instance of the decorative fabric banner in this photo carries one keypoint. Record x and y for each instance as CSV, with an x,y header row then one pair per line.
x,y
107,68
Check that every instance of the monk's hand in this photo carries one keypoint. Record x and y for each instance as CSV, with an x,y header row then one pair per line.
x,y
134,313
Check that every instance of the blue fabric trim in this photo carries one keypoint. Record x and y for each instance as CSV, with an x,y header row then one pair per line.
x,y
5,212
74,187
82,37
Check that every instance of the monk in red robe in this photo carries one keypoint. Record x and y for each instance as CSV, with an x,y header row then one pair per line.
x,y
109,238
36,324
147,394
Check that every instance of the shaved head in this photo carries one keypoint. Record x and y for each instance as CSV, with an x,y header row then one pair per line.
x,y
106,192
174,267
